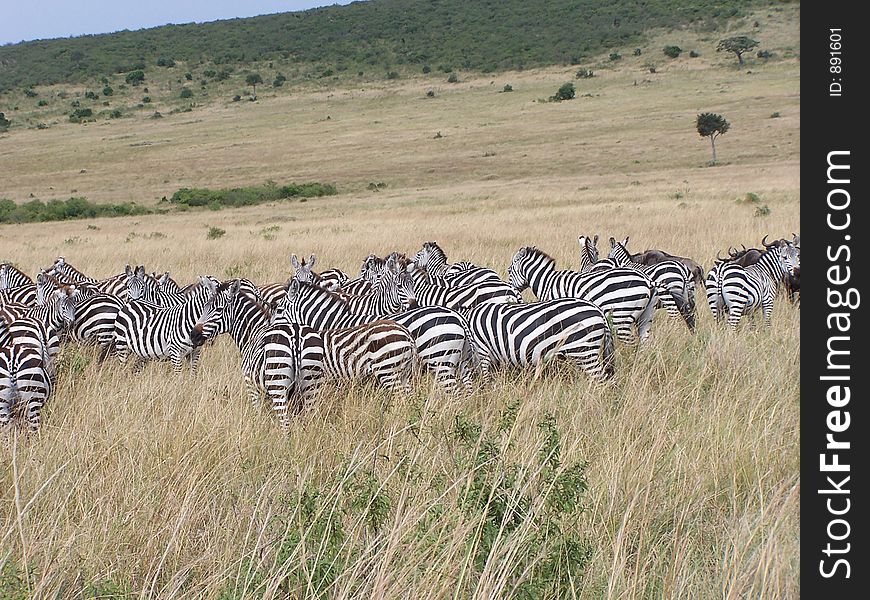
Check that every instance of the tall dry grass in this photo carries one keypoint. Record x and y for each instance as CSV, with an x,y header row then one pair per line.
x,y
680,478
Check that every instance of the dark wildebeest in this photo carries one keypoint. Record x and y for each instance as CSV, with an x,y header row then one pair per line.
x,y
653,257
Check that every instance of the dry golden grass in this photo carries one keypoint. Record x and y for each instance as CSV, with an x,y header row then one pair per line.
x,y
174,487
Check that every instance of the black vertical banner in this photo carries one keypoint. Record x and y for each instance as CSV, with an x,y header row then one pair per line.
x,y
834,426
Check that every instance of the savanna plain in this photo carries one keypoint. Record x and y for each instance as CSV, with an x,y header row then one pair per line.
x,y
679,478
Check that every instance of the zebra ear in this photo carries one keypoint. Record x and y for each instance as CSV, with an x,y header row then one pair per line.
x,y
294,261
140,271
292,289
208,283
40,277
613,242
625,241
128,271
163,278
60,260
311,260
234,288
796,240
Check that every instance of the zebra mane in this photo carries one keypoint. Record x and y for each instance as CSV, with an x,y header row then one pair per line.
x,y
316,289
534,251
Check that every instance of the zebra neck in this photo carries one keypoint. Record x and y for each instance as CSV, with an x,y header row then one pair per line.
x,y
767,266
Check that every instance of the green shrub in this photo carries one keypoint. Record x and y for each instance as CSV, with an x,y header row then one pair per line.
x,y
42,103
80,115
393,75
186,93
637,52
165,62
135,77
693,54
453,78
62,210
427,69
565,92
615,56
188,76
146,99
107,91
775,115
673,51
507,88
762,211
215,233
90,95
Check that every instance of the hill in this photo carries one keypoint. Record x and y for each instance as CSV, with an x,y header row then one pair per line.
x,y
378,36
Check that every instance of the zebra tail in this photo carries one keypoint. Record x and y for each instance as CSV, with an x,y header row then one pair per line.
x,y
607,354
469,360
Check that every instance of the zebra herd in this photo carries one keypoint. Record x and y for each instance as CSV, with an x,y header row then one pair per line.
x,y
398,315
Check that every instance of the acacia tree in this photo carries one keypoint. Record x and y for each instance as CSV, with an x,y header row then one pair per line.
x,y
712,126
738,45
252,80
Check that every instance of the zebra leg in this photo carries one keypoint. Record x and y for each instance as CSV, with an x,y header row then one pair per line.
x,y
645,319
34,399
735,312
194,359
767,310
7,398
254,391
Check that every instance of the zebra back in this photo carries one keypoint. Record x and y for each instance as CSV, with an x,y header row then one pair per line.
x,y
11,276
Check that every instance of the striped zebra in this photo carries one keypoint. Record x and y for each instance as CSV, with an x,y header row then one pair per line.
x,y
429,292
95,322
628,295
155,290
282,359
441,336
742,290
432,258
156,332
533,334
42,325
66,273
331,279
382,349
11,277
25,380
670,275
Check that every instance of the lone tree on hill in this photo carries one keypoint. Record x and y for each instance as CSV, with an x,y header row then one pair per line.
x,y
712,125
738,45
252,80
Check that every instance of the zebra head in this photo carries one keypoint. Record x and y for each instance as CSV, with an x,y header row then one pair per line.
x,y
372,268
518,271
63,308
619,251
136,286
212,321
399,280
45,285
588,251
787,254
303,269
431,256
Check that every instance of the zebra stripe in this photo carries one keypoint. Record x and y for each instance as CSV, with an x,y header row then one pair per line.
x,y
66,273
282,359
24,380
628,295
745,289
674,280
11,276
459,298
383,349
432,258
441,336
155,332
533,334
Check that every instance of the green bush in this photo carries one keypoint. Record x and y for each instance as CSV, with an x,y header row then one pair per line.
x,y
63,210
135,77
30,93
393,75
42,103
615,56
249,196
90,95
107,91
186,93
165,62
453,78
81,114
188,76
215,233
565,92
673,51
507,88
693,54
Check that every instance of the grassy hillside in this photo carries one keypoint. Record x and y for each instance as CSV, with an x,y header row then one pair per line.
x,y
374,37
679,479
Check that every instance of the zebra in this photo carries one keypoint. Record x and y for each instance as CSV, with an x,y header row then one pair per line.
x,y
459,298
11,277
282,359
95,322
383,348
22,294
42,325
532,334
432,258
441,336
628,295
745,289
25,379
66,273
149,288
331,279
153,332
672,276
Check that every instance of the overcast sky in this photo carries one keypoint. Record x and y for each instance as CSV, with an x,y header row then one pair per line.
x,y
43,19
